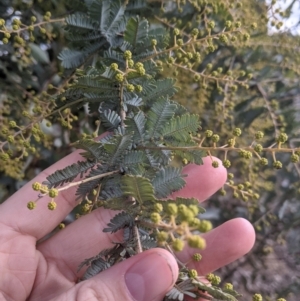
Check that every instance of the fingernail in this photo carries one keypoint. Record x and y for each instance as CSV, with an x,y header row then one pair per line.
x,y
150,277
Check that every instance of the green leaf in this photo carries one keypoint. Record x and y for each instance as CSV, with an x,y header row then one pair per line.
x,y
136,125
111,188
136,6
117,149
119,221
180,127
116,203
93,149
93,84
68,174
110,119
167,180
136,31
133,158
75,37
160,113
164,88
110,17
98,265
138,187
161,157
74,58
192,155
134,163
85,188
132,101
113,56
152,159
81,21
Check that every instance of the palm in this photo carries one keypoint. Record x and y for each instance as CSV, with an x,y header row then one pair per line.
x,y
49,270
19,261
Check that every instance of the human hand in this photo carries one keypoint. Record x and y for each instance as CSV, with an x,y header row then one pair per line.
x,y
47,271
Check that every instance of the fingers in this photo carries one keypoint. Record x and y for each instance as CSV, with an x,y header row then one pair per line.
x,y
144,277
224,244
41,220
80,240
202,181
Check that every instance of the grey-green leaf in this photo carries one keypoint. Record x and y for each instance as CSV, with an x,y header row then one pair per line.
x,y
180,127
160,113
167,180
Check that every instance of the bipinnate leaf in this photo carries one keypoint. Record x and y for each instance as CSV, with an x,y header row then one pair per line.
x,y
133,158
93,149
180,127
148,242
139,188
160,113
167,180
117,148
98,265
110,17
85,188
191,155
72,58
110,119
136,31
81,21
164,88
68,174
136,125
119,221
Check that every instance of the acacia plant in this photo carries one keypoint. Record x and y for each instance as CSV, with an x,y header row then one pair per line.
x,y
118,68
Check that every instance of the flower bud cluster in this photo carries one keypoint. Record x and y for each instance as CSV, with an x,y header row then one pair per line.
x,y
43,189
213,279
181,220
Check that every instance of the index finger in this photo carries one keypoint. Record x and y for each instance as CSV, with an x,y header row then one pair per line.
x,y
202,181
40,221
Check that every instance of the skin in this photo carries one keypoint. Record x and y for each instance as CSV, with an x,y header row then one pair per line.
x,y
48,270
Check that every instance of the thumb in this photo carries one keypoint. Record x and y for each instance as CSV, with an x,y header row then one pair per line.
x,y
145,277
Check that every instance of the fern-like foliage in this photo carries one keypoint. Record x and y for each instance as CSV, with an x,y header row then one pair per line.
x,y
167,180
98,265
139,188
147,242
136,125
119,221
110,119
192,155
69,173
180,127
85,188
100,27
158,116
117,148
93,150
136,33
